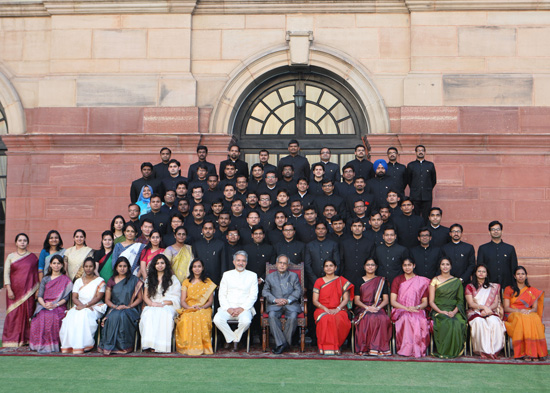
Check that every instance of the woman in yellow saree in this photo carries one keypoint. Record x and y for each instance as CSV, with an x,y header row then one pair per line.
x,y
523,306
180,254
194,326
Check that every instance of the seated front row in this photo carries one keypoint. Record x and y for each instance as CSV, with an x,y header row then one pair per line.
x,y
74,332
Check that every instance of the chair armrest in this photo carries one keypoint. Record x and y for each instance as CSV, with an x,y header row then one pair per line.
x,y
305,306
262,305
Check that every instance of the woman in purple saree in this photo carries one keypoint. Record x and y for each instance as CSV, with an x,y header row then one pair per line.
x,y
53,294
373,326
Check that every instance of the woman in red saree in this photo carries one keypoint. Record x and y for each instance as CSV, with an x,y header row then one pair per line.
x,y
21,283
54,292
151,250
373,326
409,298
523,306
331,294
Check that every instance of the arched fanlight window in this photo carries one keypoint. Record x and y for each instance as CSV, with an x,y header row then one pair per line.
x,y
311,105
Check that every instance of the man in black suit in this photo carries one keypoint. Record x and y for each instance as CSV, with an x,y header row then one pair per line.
x,y
461,254
422,179
211,252
146,179
202,152
298,162
241,167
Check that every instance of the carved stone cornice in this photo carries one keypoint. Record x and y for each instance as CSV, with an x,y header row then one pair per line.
x,y
476,5
96,7
22,8
300,6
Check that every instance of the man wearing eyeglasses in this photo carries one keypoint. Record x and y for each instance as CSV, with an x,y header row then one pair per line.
x,y
426,256
461,254
499,257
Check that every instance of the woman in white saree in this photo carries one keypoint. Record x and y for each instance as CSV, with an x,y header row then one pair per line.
x,y
484,314
80,324
162,299
129,248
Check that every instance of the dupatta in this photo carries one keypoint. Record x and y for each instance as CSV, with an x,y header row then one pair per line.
x,y
526,299
180,263
371,294
55,290
24,281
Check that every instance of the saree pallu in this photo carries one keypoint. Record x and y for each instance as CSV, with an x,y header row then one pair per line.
x,y
487,332
194,327
130,252
120,326
181,261
79,326
119,239
105,266
157,323
24,284
46,323
332,329
449,333
147,255
526,330
75,259
373,330
412,329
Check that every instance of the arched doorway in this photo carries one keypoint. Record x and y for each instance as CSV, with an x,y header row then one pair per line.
x,y
312,105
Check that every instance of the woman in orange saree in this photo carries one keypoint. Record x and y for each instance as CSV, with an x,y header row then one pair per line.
x,y
523,306
331,295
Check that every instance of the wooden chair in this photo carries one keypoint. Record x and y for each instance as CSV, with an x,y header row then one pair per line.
x,y
301,318
234,323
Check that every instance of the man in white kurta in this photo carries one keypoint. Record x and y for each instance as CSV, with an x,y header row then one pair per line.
x,y
237,295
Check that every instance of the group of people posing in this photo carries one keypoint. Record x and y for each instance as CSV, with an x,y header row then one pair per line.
x,y
370,261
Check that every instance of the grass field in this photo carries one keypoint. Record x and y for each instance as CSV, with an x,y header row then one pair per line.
x,y
78,374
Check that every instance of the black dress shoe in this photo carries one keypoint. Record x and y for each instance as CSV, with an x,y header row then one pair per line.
x,y
280,349
226,345
235,346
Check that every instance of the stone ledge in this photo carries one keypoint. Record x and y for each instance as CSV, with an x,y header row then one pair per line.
x,y
440,144
132,143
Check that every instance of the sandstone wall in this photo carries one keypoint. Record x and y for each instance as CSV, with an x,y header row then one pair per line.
x,y
103,92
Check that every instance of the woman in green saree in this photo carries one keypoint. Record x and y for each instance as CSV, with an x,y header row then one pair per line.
x,y
102,257
448,316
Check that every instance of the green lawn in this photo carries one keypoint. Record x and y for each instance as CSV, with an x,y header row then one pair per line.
x,y
77,374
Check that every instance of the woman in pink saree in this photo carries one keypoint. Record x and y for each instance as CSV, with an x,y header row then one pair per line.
x,y
21,283
409,298
54,292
